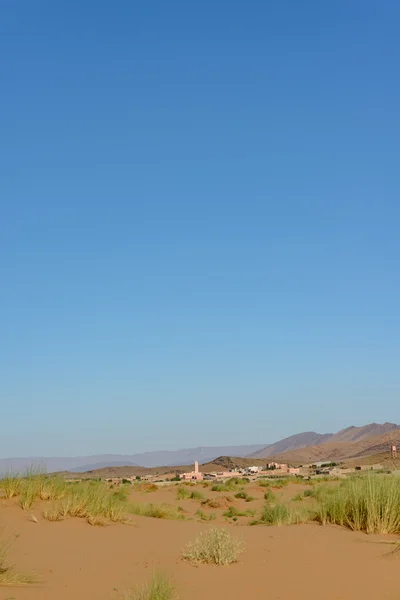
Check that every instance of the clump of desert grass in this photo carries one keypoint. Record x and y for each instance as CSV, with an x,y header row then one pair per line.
x,y
33,485
244,496
8,574
205,516
157,511
182,493
230,485
269,496
92,501
159,588
233,512
222,502
216,547
280,514
10,485
370,504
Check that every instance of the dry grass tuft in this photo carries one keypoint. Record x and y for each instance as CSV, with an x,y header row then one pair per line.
x,y
160,588
157,511
8,575
216,546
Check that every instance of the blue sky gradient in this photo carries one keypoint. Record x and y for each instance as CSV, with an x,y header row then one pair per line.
x,y
200,222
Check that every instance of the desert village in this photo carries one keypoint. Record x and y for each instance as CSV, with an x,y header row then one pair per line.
x,y
270,470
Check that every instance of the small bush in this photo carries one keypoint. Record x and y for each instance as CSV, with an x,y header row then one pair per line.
x,y
159,588
216,546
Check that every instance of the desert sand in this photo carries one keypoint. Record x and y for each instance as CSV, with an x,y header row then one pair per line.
x,y
306,562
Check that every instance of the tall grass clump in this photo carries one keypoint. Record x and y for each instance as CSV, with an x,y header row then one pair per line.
x,y
369,504
280,514
216,546
8,575
90,500
182,493
159,588
10,485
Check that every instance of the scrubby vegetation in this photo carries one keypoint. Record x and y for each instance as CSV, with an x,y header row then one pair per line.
x,y
160,588
216,546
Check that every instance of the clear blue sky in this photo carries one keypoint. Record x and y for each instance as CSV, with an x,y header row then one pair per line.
x,y
200,222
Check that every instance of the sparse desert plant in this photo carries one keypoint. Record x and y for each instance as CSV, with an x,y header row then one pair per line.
x,y
269,496
369,504
159,588
8,575
297,498
157,511
205,516
232,484
222,502
53,513
196,495
242,495
27,499
280,514
216,546
11,485
182,493
233,512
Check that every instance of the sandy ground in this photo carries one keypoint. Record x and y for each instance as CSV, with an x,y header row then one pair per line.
x,y
304,562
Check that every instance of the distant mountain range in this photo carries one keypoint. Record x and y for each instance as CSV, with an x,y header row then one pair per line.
x,y
312,439
80,464
300,448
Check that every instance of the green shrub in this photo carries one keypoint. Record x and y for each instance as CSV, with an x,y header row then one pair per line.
x,y
216,546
